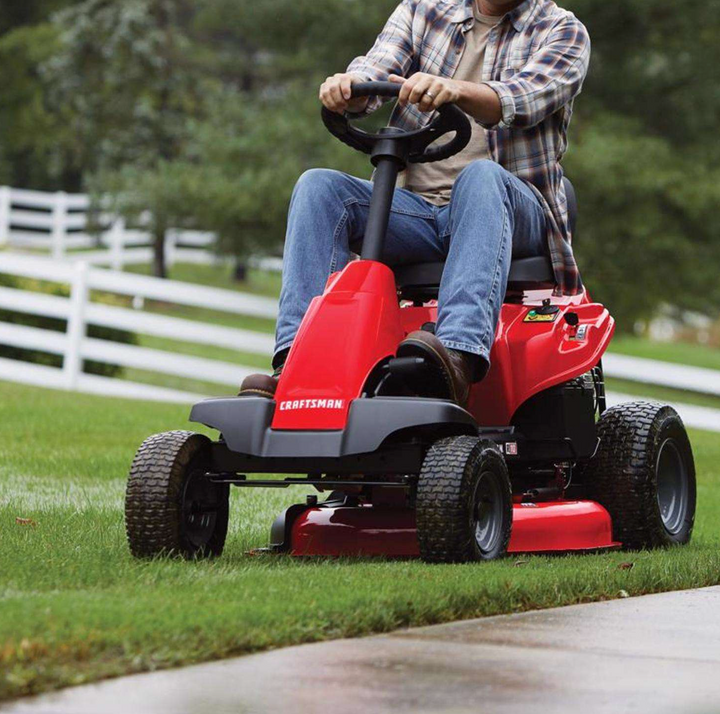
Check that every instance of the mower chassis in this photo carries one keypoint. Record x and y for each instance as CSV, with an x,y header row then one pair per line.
x,y
385,441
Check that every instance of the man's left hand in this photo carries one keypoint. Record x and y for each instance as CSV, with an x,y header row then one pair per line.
x,y
426,90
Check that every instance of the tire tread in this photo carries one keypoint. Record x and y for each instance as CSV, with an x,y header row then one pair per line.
x,y
621,476
153,495
444,491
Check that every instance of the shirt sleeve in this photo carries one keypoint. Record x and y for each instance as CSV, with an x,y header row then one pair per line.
x,y
553,77
392,52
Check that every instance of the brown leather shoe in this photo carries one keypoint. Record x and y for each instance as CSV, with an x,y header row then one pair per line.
x,y
454,370
261,385
258,385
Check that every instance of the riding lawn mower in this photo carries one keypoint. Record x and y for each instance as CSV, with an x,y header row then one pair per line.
x,y
536,463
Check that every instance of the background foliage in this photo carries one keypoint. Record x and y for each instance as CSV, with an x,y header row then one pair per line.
x,y
205,111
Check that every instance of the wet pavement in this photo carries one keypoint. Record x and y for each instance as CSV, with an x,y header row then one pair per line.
x,y
655,654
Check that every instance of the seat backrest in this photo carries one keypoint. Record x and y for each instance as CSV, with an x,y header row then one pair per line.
x,y
572,205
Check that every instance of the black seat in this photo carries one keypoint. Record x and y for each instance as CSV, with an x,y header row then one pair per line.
x,y
418,281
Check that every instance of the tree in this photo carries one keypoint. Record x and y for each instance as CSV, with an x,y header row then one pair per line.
x,y
127,82
644,157
31,140
205,112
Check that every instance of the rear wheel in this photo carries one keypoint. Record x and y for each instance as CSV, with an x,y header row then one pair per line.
x,y
464,502
170,506
644,474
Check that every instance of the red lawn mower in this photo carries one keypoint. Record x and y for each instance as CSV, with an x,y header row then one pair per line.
x,y
535,464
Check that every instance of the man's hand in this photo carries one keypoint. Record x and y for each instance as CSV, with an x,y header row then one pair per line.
x,y
426,90
430,92
335,93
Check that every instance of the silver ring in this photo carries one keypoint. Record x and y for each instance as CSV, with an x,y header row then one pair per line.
x,y
432,96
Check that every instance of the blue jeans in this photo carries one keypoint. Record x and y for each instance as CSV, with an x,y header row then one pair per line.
x,y
492,215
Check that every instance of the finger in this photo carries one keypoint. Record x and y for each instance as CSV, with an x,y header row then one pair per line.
x,y
409,86
336,97
443,97
330,101
427,102
406,88
325,97
346,87
419,89
324,93
396,78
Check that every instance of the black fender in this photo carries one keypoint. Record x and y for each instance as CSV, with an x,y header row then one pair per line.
x,y
244,423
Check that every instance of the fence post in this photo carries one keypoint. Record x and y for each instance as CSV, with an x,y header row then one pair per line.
x,y
72,360
117,237
171,239
59,226
4,215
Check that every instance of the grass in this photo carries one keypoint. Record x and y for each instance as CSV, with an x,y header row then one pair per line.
x,y
679,352
75,607
693,355
662,394
258,282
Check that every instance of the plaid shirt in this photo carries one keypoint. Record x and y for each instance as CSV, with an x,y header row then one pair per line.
x,y
536,60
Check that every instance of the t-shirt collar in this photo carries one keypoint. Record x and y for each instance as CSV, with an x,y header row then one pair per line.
x,y
519,16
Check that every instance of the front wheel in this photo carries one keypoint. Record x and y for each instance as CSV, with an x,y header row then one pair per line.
x,y
171,507
464,502
644,475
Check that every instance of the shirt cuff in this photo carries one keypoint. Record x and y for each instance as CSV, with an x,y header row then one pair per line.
x,y
507,105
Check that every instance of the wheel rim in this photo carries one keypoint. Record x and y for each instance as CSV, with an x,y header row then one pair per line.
x,y
672,486
200,505
487,513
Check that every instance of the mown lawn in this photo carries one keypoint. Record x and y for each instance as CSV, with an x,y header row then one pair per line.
x,y
687,353
75,607
219,275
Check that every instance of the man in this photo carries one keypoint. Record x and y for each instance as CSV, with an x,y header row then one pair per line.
x,y
515,69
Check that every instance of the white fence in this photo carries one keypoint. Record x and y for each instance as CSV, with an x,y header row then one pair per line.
x,y
57,223
79,310
74,345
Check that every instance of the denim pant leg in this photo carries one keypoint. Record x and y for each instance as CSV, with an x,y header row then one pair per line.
x,y
328,212
492,217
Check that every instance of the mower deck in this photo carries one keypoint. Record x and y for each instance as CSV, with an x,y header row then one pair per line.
x,y
365,530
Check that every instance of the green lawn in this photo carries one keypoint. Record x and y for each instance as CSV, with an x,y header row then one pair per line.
x,y
75,607
258,282
680,352
662,394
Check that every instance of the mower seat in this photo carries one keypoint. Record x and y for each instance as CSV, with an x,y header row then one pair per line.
x,y
421,281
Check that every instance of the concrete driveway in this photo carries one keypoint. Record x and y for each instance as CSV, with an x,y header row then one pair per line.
x,y
654,654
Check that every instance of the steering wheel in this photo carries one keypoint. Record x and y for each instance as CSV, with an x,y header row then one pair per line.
x,y
449,118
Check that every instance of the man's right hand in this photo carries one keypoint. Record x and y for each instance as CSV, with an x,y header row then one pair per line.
x,y
335,93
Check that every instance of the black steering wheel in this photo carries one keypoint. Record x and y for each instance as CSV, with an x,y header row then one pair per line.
x,y
449,118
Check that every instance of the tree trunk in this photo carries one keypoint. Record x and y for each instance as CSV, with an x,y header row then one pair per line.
x,y
159,266
240,272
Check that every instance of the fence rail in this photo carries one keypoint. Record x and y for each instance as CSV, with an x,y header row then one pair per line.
x,y
79,310
57,224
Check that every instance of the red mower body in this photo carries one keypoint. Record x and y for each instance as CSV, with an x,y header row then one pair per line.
x,y
564,526
536,347
359,314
